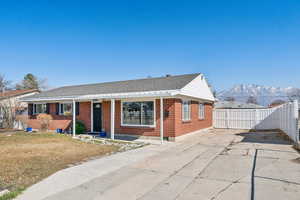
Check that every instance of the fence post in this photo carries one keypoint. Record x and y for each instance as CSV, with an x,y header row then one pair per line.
x,y
256,119
296,110
227,118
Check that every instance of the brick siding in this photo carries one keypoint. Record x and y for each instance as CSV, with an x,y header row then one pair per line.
x,y
84,115
183,127
173,124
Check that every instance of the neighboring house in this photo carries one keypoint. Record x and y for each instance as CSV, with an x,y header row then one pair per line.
x,y
132,107
10,105
236,105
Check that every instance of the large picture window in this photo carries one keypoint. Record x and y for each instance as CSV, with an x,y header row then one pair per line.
x,y
65,109
39,108
138,113
186,111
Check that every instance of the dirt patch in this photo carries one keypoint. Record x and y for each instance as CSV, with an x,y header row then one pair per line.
x,y
27,158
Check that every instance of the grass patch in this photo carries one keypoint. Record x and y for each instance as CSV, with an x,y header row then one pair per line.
x,y
27,158
11,195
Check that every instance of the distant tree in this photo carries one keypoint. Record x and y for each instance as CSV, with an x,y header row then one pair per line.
x,y
252,100
32,82
231,99
8,113
4,83
277,102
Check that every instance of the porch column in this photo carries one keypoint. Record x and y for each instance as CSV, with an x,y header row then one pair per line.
x,y
112,119
161,119
74,118
92,116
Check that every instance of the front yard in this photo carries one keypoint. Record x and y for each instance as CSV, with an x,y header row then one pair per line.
x,y
26,158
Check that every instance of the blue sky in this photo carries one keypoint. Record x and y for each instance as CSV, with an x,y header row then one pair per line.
x,y
75,42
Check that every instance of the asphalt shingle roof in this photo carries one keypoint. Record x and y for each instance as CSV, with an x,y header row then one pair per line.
x,y
138,85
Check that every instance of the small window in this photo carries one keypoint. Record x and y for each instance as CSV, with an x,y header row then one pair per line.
x,y
201,111
138,113
39,108
65,109
186,110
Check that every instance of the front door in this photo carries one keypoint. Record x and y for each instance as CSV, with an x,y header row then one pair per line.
x,y
97,120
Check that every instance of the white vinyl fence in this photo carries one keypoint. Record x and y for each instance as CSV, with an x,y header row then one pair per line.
x,y
284,117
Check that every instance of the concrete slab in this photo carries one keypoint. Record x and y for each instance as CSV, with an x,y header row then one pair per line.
x,y
278,153
134,187
169,189
179,160
276,189
240,191
285,170
75,176
203,189
94,187
194,168
228,168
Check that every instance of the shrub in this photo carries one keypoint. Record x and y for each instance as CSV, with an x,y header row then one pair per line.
x,y
80,127
45,120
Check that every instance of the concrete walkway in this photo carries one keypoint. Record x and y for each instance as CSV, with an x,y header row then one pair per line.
x,y
217,164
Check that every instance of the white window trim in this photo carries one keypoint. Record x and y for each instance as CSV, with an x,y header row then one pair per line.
x,y
34,108
199,111
182,110
139,125
61,111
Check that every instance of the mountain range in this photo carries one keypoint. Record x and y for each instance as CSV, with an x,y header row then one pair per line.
x,y
264,95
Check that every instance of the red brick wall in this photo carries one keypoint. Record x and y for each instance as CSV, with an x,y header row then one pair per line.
x,y
144,131
195,123
84,114
173,124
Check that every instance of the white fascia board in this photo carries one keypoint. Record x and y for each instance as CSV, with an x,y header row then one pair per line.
x,y
188,97
162,93
47,99
198,88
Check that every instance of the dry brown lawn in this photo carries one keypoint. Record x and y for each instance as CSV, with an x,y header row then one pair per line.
x,y
26,158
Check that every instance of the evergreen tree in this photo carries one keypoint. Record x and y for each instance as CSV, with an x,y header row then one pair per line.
x,y
31,82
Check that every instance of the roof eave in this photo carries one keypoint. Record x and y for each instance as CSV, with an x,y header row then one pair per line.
x,y
149,94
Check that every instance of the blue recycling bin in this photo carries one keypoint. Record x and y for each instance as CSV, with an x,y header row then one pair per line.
x,y
59,130
103,134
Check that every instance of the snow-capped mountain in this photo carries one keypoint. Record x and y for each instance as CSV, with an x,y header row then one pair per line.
x,y
264,95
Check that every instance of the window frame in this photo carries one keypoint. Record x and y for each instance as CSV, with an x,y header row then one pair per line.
x,y
34,108
61,108
189,102
139,125
200,112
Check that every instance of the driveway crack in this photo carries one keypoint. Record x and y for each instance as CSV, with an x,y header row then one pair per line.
x,y
199,175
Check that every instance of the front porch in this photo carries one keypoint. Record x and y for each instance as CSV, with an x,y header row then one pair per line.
x,y
125,119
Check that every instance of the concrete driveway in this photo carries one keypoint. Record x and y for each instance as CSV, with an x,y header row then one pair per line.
x,y
217,164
